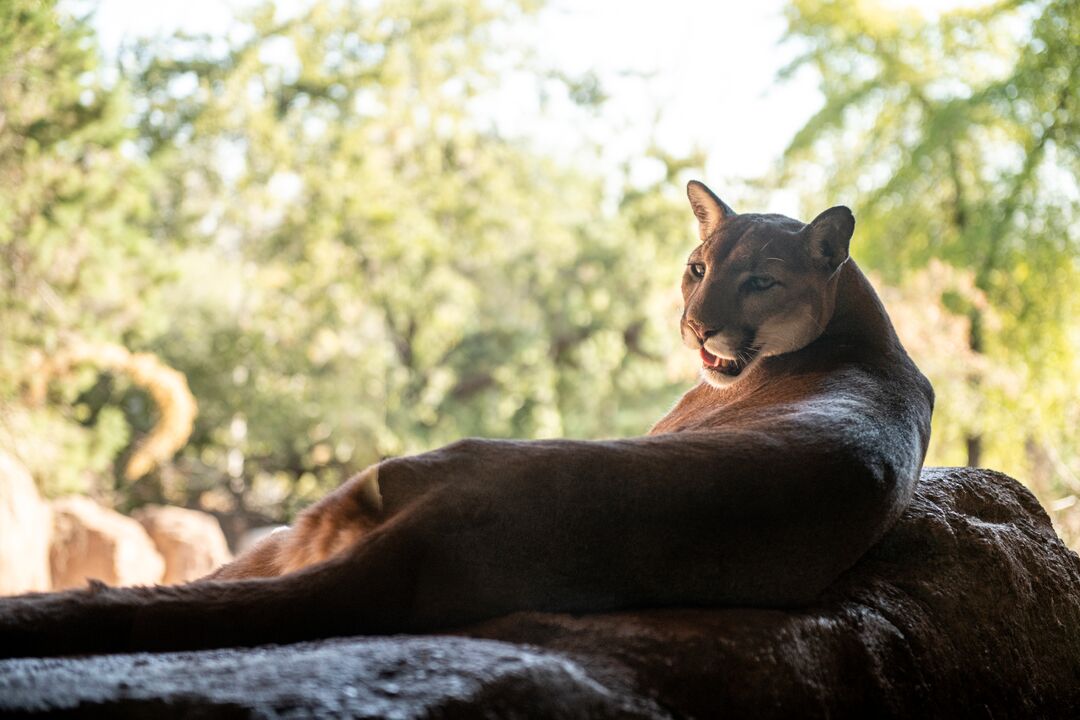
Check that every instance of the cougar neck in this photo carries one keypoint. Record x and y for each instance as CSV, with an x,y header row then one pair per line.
x,y
858,317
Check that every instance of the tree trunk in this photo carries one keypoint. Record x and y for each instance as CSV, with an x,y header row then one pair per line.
x,y
974,450
974,440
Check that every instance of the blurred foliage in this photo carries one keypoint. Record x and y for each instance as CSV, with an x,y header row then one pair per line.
x,y
166,387
75,261
357,266
957,141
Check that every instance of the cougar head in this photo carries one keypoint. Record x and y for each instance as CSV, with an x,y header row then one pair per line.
x,y
758,285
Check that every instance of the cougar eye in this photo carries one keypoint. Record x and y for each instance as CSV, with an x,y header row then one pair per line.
x,y
697,270
760,282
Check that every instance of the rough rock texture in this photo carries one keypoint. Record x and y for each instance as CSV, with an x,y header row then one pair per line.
x,y
969,607
25,531
191,542
396,677
92,542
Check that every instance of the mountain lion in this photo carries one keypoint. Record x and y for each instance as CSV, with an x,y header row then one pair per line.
x,y
792,456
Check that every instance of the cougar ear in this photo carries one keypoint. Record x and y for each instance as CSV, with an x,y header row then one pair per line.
x,y
829,236
709,209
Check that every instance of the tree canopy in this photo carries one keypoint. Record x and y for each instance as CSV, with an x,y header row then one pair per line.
x,y
957,139
345,262
76,265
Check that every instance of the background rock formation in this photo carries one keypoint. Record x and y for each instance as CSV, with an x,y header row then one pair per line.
x,y
25,531
191,542
91,542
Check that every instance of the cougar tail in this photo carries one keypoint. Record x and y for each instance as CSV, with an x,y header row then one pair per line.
x,y
361,592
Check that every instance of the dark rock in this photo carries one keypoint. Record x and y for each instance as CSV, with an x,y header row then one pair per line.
x,y
969,607
402,677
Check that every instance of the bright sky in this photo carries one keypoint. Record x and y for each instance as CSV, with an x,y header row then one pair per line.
x,y
711,73
711,70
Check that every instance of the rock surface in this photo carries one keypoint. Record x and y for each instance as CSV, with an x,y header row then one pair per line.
x,y
91,542
191,542
969,607
396,677
25,531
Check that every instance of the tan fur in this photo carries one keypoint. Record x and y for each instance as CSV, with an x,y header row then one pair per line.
x,y
758,488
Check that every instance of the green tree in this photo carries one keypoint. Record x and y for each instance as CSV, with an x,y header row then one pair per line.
x,y
956,140
78,275
369,269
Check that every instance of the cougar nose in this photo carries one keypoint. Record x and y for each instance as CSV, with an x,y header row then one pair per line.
x,y
703,333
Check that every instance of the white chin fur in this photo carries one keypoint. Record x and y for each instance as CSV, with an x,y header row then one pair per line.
x,y
721,380
778,338
719,348
775,337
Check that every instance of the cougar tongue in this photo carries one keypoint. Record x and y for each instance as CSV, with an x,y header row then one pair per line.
x,y
709,359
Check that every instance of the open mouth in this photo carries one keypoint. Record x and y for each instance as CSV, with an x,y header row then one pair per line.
x,y
728,366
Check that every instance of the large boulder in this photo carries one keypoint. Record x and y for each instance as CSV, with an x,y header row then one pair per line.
x,y
970,604
25,531
91,542
191,542
969,607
